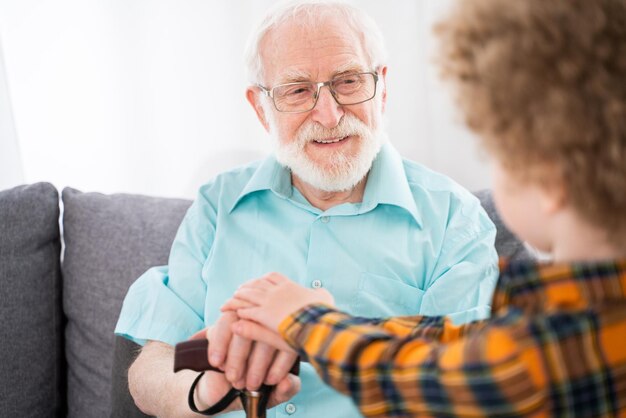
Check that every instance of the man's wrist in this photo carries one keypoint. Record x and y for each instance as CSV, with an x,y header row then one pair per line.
x,y
204,385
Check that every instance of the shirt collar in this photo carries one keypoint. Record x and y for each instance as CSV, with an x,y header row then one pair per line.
x,y
386,183
270,175
547,287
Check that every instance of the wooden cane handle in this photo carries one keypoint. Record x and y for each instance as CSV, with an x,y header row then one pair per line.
x,y
193,355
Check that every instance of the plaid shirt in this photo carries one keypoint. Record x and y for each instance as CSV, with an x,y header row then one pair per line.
x,y
555,346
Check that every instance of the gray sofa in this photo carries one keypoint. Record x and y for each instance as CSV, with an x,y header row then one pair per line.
x,y
63,282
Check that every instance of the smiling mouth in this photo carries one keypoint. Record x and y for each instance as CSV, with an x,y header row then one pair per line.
x,y
329,141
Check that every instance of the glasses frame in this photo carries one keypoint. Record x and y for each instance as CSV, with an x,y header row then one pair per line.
x,y
270,92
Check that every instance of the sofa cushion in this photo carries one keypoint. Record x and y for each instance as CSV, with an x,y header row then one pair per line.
x,y
31,369
110,240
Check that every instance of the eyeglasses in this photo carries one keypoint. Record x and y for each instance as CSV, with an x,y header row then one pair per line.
x,y
348,89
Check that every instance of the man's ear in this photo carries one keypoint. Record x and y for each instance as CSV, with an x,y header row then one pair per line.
x,y
254,98
383,74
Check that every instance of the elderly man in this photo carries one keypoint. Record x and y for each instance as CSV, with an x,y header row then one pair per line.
x,y
335,207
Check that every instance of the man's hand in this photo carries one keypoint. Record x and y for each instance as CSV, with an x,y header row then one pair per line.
x,y
246,364
272,298
255,331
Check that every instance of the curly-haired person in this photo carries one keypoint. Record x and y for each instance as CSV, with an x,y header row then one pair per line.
x,y
543,85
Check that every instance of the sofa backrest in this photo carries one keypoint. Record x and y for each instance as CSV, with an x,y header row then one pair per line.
x,y
110,240
32,373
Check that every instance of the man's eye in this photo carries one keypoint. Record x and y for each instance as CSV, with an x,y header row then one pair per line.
x,y
348,84
350,80
297,91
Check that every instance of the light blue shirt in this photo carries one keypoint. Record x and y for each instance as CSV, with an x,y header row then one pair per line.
x,y
417,244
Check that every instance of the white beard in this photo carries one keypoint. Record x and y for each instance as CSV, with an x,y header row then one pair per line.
x,y
341,172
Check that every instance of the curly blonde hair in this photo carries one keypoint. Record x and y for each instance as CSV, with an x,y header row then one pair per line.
x,y
543,84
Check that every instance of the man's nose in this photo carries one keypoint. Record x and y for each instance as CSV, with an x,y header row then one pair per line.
x,y
327,112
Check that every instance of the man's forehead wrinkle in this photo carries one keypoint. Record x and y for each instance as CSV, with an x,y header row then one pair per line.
x,y
350,66
294,74
302,70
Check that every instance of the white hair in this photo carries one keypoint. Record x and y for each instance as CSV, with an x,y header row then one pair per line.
x,y
309,13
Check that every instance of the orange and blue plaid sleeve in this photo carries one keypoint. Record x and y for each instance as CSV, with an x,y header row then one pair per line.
x,y
427,327
432,369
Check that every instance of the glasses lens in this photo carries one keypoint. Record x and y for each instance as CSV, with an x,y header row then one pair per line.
x,y
347,89
294,97
354,88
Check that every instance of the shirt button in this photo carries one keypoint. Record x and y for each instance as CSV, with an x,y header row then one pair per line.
x,y
325,219
316,284
290,408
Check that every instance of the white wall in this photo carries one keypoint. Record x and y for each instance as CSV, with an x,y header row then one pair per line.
x,y
11,173
147,96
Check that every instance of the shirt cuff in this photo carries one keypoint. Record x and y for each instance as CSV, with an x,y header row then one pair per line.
x,y
152,311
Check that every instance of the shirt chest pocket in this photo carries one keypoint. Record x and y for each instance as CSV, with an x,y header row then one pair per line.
x,y
379,296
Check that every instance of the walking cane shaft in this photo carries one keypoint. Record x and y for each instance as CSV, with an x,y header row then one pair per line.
x,y
250,400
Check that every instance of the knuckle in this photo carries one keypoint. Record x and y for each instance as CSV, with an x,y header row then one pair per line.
x,y
235,359
254,377
264,349
258,364
229,317
277,373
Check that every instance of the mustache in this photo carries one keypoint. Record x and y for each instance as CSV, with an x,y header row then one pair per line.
x,y
349,125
